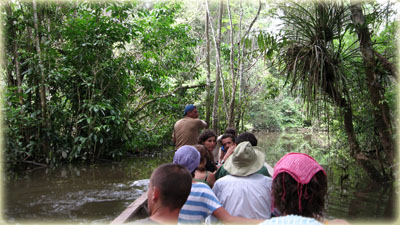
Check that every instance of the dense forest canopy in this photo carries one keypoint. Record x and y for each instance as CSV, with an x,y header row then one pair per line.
x,y
90,80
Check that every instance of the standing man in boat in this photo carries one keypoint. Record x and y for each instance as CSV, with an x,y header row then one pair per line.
x,y
169,187
186,130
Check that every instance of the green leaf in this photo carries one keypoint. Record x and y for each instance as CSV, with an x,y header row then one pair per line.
x,y
129,126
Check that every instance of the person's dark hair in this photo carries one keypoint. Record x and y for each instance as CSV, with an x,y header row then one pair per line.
x,y
231,130
206,134
286,195
203,156
174,182
228,136
247,136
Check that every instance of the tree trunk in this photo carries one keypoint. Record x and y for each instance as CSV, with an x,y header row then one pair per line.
x,y
355,150
42,78
218,75
208,88
18,73
241,57
219,65
381,109
231,113
13,34
240,70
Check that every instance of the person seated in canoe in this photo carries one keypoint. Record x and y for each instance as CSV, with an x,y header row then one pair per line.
x,y
208,139
201,174
202,201
169,188
299,188
221,172
227,140
245,192
219,150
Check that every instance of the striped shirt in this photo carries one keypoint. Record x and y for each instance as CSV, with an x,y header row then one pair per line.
x,y
201,203
291,220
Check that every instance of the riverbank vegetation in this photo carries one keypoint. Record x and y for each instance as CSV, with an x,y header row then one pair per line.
x,y
87,80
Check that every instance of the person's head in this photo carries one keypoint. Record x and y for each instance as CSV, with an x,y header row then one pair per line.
x,y
299,186
230,130
208,139
191,111
245,160
187,156
169,187
247,136
203,156
227,140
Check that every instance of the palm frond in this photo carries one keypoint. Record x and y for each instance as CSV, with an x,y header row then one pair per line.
x,y
311,59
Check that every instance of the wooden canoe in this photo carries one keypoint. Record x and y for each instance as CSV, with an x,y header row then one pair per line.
x,y
138,209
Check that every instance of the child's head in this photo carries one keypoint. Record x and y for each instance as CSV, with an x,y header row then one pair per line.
x,y
299,186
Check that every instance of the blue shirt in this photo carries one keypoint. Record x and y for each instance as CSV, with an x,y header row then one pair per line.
x,y
201,203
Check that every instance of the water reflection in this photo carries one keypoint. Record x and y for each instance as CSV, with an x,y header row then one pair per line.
x,y
99,193
81,193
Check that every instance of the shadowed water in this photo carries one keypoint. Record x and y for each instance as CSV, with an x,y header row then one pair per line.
x,y
99,193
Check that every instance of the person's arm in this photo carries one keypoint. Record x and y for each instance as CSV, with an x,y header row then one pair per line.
x,y
228,153
201,124
211,179
221,157
227,218
205,125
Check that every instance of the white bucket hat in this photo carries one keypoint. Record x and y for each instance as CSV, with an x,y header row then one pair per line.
x,y
245,160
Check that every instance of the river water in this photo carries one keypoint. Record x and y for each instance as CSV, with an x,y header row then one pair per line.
x,y
98,193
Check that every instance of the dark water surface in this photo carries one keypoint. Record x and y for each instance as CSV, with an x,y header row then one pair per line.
x,y
78,194
97,194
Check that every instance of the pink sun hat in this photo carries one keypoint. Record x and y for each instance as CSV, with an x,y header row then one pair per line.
x,y
300,166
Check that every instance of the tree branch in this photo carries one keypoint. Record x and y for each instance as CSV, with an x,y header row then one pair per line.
x,y
254,20
390,67
166,95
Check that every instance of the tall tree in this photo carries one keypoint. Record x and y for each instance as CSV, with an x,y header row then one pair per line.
x,y
381,109
218,76
241,68
45,122
232,70
208,79
313,62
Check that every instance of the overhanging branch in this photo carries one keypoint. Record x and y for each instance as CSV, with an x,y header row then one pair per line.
x,y
167,95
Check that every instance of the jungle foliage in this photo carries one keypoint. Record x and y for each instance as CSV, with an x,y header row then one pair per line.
x,y
333,60
113,79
